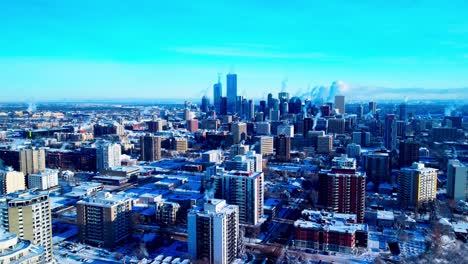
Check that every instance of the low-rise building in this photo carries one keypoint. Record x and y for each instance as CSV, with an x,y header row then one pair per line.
x,y
43,180
329,231
17,251
166,212
85,189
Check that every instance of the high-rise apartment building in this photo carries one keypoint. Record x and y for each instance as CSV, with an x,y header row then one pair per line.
x,y
336,125
104,219
187,114
238,149
244,189
11,181
283,147
285,129
417,185
252,162
213,232
180,144
262,128
264,145
150,147
27,214
457,180
324,144
353,150
377,168
192,125
401,129
107,155
156,125
274,115
409,153
31,160
362,138
308,125
166,212
343,189
239,132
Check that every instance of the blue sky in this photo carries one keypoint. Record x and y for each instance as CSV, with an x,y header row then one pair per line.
x,y
52,49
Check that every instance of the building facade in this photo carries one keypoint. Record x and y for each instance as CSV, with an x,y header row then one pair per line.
x,y
340,104
244,189
457,180
44,180
417,185
150,147
11,181
239,132
27,214
342,189
104,219
213,232
14,250
283,147
231,86
107,155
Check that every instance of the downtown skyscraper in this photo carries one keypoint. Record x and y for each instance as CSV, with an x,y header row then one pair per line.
x,y
340,103
217,95
390,132
231,81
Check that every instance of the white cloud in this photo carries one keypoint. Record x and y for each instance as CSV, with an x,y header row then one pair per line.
x,y
249,51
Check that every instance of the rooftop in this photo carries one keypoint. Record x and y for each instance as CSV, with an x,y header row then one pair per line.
x,y
385,215
334,226
104,199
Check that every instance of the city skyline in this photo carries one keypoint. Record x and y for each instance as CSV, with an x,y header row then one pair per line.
x,y
54,51
233,132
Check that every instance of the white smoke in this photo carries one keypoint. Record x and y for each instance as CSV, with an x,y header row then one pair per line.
x,y
252,147
32,107
209,193
146,111
337,87
369,115
448,110
284,85
316,118
320,93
